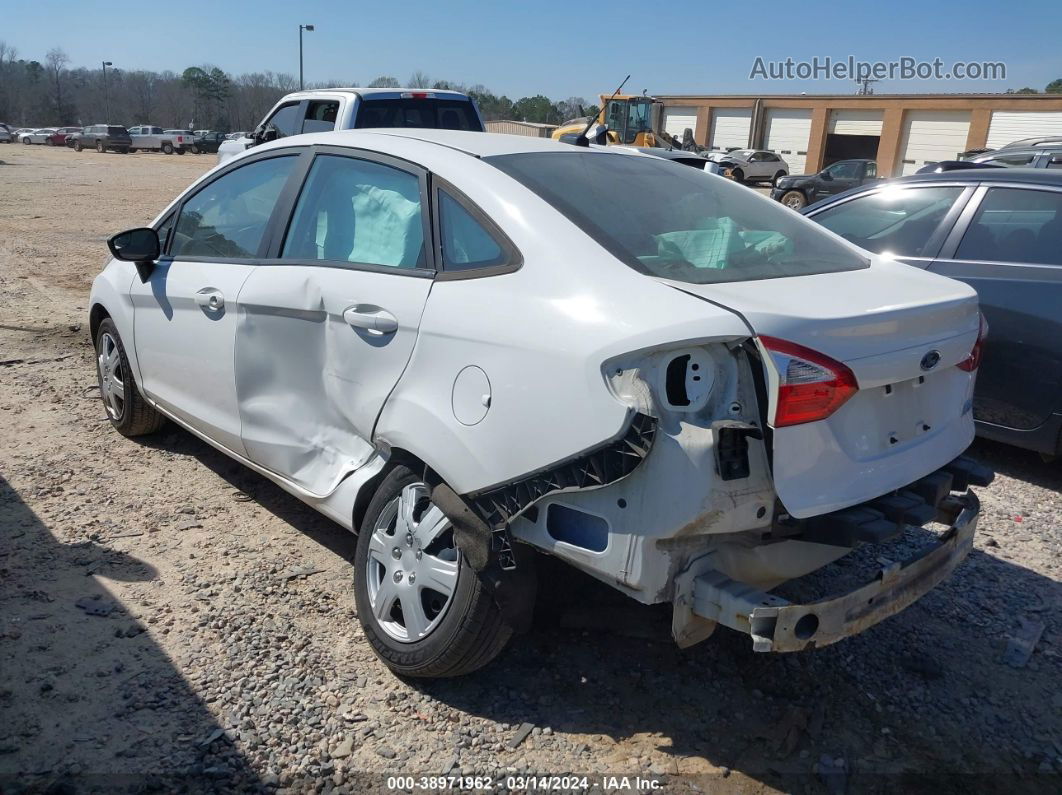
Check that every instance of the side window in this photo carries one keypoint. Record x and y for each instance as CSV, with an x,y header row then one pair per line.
x,y
1012,161
1055,161
1015,225
844,170
359,211
320,117
227,219
466,244
872,171
896,222
285,121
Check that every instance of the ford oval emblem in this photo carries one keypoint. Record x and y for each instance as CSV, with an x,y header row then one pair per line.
x,y
930,360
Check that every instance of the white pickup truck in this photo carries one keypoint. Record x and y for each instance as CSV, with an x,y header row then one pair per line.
x,y
155,139
327,109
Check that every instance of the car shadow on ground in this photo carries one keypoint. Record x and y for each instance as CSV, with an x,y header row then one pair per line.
x,y
91,660
922,701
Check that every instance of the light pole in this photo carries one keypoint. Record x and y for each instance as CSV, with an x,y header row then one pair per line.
x,y
106,97
301,29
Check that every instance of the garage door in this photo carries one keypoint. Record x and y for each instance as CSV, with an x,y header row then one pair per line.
x,y
1008,126
930,136
678,119
855,122
730,128
786,133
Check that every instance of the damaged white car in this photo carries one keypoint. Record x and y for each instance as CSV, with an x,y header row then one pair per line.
x,y
466,347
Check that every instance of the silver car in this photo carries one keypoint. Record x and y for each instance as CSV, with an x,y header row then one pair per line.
x,y
40,136
755,165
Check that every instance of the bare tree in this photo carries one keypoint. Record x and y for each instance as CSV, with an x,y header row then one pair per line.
x,y
57,61
384,81
419,80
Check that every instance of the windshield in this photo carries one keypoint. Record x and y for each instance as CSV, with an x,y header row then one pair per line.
x,y
457,114
668,220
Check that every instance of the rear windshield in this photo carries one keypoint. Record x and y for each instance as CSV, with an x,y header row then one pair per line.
x,y
666,219
439,114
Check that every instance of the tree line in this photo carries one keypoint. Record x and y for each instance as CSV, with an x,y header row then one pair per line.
x,y
53,93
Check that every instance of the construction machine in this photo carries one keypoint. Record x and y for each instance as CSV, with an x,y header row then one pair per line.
x,y
627,117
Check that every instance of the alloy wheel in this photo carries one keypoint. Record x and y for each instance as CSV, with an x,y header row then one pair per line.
x,y
112,379
412,566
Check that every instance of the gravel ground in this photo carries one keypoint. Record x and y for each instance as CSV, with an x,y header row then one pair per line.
x,y
170,620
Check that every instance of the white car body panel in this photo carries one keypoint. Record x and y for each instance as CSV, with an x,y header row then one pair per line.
x,y
312,419
185,349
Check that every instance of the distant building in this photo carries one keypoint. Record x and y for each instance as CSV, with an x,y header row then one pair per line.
x,y
902,132
533,129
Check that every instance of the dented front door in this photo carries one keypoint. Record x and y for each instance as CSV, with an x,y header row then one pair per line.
x,y
325,330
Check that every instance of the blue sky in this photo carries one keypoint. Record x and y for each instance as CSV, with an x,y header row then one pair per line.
x,y
556,47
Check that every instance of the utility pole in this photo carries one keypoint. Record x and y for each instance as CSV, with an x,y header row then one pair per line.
x,y
864,83
106,96
301,29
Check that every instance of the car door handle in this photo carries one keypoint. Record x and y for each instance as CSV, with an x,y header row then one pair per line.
x,y
371,318
210,298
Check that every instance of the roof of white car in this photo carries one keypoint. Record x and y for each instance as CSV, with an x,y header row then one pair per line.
x,y
367,92
477,144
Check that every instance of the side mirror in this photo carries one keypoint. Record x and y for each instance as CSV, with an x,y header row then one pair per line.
x,y
140,246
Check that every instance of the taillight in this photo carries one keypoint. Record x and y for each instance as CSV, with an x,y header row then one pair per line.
x,y
812,386
973,361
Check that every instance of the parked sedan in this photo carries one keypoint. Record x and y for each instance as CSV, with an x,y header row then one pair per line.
x,y
797,192
38,136
469,347
1000,231
755,165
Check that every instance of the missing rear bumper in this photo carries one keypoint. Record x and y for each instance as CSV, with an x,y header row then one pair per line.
x,y
778,625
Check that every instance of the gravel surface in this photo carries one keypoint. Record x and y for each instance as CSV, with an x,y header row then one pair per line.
x,y
170,620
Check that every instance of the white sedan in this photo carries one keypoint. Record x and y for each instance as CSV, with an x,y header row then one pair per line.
x,y
40,136
472,348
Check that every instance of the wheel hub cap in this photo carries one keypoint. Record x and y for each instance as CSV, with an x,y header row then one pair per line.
x,y
411,584
112,379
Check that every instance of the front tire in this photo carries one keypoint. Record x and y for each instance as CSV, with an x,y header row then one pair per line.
x,y
425,611
794,199
77,146
738,175
128,411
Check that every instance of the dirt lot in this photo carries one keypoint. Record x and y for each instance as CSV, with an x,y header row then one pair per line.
x,y
158,629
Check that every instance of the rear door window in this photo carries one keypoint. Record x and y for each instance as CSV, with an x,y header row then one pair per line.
x,y
321,116
1015,225
895,222
1011,161
358,211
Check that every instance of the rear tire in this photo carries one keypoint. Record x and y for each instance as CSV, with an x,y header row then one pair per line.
x,y
777,177
128,411
100,147
167,148
132,150
794,199
460,632
181,150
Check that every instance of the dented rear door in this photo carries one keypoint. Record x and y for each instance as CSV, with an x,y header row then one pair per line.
x,y
327,326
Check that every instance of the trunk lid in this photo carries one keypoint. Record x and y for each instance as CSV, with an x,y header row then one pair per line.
x,y
905,420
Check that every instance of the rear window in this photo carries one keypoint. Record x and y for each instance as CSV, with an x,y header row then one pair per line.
x,y
430,113
668,220
117,131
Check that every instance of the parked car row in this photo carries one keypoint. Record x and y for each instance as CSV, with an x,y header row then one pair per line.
x,y
116,138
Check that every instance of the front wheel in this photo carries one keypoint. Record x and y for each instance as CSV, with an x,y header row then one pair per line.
x,y
738,175
425,611
77,146
794,199
128,411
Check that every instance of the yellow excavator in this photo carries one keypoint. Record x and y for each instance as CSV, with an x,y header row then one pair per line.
x,y
627,117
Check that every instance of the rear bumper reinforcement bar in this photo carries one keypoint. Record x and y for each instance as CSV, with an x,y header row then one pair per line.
x,y
778,625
